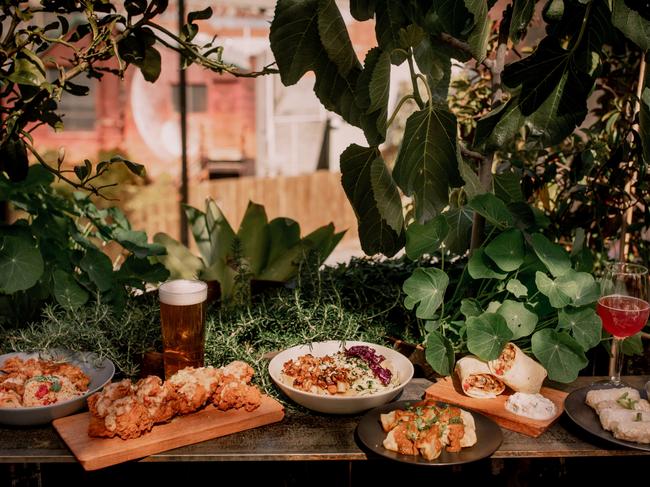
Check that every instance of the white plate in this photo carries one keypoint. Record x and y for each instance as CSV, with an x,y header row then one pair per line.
x,y
340,404
99,371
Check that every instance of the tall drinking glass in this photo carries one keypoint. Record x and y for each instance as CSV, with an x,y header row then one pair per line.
x,y
623,307
182,319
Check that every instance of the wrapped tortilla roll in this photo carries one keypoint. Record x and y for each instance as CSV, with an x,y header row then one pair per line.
x,y
519,372
476,378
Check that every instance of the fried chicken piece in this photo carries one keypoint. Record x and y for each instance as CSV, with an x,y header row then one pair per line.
x,y
235,394
126,417
29,367
157,397
239,370
99,402
15,381
9,399
193,387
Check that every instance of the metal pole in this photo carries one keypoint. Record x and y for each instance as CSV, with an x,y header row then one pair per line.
x,y
182,98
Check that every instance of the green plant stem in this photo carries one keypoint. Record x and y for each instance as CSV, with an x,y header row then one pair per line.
x,y
414,80
426,85
403,100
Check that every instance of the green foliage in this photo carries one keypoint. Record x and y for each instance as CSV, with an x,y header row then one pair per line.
x,y
55,252
259,250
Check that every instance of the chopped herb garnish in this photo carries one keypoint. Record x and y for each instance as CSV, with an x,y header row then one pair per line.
x,y
456,420
639,417
626,402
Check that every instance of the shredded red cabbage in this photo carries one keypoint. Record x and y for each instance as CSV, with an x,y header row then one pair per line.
x,y
372,359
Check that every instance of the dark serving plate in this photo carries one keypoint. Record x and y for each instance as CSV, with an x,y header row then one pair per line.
x,y
371,434
585,417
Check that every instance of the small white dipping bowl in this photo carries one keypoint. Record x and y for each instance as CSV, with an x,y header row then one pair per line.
x,y
340,404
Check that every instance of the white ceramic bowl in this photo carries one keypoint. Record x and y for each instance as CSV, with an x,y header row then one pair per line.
x,y
340,404
99,371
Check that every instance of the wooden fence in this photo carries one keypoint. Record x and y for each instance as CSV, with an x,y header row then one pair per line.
x,y
312,200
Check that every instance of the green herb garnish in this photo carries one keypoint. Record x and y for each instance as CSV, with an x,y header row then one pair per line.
x,y
639,417
456,420
626,402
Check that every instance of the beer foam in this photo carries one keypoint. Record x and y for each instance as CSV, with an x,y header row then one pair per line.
x,y
183,292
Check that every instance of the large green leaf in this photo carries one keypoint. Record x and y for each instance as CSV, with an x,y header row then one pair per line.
x,y
220,232
435,63
253,233
386,195
362,9
28,69
373,123
473,186
470,307
549,288
67,291
21,264
549,98
136,242
520,320
480,267
439,353
631,22
522,14
426,165
284,233
507,186
561,355
580,287
487,334
379,90
583,323
375,233
390,18
492,209
200,231
426,289
478,36
99,268
179,261
517,288
554,257
507,250
426,238
460,229
334,37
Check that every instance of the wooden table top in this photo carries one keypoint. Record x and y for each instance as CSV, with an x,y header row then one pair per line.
x,y
312,436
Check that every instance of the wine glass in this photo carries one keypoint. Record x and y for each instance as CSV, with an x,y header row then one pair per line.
x,y
623,308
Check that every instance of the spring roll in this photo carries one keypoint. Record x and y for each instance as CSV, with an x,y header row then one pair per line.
x,y
517,370
476,378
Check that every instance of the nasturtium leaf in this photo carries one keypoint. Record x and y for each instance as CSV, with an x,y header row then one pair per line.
x,y
479,267
136,242
470,307
439,353
581,287
520,320
583,324
549,288
426,289
67,292
426,165
493,306
334,36
426,238
431,325
515,287
21,264
375,234
632,345
562,356
492,209
99,268
554,257
507,250
487,334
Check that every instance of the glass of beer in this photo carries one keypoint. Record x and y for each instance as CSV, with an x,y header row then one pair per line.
x,y
182,318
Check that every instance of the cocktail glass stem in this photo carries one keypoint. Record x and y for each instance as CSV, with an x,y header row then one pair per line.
x,y
616,363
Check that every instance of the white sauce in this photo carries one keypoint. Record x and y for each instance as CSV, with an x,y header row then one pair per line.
x,y
534,406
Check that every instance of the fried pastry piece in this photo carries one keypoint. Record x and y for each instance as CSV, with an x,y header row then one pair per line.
x,y
238,370
29,367
193,387
157,397
390,420
235,394
9,399
15,381
429,444
99,402
401,439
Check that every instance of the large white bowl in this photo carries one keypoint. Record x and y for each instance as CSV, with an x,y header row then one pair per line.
x,y
100,372
340,404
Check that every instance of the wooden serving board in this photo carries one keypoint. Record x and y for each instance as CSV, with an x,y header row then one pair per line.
x,y
449,390
208,423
